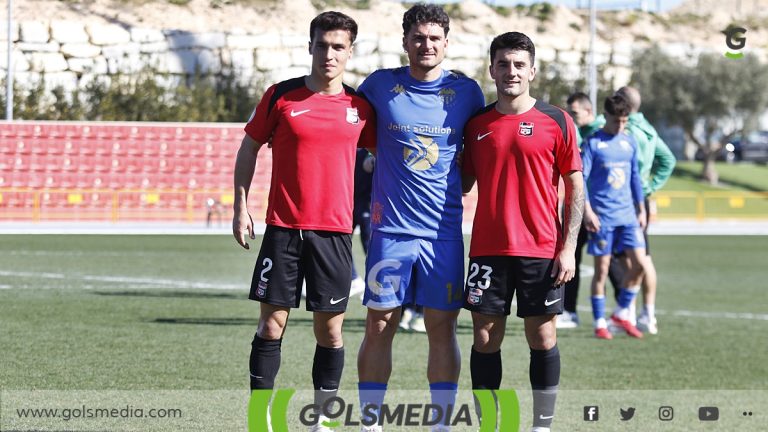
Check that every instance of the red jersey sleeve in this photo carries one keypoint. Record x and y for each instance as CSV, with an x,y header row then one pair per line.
x,y
262,123
567,157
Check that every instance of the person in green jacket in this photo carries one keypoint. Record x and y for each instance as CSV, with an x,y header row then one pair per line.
x,y
656,163
580,108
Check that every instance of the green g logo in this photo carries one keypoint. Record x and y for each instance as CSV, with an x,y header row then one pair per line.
x,y
735,40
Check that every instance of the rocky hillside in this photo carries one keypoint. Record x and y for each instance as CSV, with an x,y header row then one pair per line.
x,y
697,22
73,42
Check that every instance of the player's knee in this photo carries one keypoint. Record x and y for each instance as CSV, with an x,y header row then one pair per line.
x,y
600,276
487,343
329,338
381,326
270,329
543,342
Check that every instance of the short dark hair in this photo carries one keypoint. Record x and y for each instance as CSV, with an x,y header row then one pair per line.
x,y
333,20
424,14
515,41
579,97
617,105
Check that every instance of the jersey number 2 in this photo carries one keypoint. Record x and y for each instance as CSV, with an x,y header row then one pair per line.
x,y
267,263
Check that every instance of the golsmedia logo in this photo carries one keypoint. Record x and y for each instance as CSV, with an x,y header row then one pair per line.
x,y
736,40
499,410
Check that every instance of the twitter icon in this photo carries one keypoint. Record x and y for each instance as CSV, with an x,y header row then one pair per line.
x,y
627,414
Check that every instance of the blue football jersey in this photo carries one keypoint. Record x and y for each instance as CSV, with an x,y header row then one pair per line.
x,y
420,127
612,177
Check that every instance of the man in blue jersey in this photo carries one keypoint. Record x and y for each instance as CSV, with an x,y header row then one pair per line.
x,y
416,254
614,213
656,162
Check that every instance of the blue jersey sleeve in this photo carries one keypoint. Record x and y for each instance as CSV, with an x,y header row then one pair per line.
x,y
478,99
586,162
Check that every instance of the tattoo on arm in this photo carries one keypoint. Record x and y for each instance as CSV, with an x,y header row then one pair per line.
x,y
574,212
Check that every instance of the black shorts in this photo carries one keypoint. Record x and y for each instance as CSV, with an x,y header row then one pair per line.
x,y
288,256
493,280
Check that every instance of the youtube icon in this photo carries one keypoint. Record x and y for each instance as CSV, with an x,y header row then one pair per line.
x,y
709,413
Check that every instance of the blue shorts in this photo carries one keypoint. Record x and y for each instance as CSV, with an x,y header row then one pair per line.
x,y
402,269
616,239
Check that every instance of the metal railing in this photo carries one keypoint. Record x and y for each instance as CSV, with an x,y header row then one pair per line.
x,y
193,206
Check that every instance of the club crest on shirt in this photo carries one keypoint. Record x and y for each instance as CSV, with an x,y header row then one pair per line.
x,y
448,95
526,129
352,116
625,145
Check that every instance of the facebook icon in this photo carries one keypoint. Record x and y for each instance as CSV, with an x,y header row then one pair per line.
x,y
591,413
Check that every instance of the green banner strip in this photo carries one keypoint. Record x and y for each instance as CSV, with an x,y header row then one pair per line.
x,y
280,410
487,409
509,408
257,410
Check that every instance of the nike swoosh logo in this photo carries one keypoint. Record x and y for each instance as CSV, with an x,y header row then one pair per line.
x,y
546,417
550,303
298,113
479,137
334,301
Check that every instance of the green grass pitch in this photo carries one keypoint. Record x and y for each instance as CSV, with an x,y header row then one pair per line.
x,y
170,313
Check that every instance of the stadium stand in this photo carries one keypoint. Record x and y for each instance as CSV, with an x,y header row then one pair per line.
x,y
120,171
125,172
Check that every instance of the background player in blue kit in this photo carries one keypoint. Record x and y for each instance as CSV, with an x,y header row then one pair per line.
x,y
416,254
614,213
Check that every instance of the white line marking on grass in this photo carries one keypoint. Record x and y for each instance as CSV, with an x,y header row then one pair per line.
x,y
700,314
33,274
589,271
174,283
128,281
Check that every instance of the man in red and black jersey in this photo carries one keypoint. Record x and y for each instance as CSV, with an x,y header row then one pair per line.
x,y
315,124
518,149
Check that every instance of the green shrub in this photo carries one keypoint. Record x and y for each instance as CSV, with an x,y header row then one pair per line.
x,y
142,97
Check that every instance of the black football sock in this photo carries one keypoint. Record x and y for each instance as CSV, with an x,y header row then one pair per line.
x,y
485,369
326,372
265,362
486,373
545,378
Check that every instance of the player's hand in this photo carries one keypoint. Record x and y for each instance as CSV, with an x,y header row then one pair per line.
x,y
591,221
564,267
641,217
242,224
